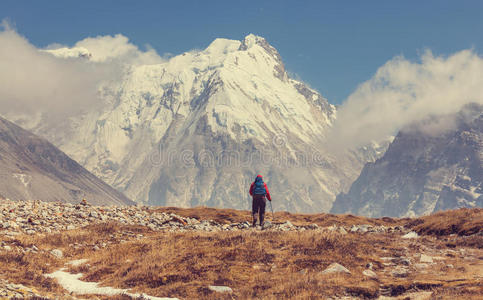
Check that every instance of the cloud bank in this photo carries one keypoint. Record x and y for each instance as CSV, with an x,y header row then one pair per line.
x,y
34,81
402,92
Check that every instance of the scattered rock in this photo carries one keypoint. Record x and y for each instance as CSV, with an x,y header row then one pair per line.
x,y
335,268
400,272
220,289
17,291
410,235
425,259
49,217
402,261
369,273
267,225
57,253
420,266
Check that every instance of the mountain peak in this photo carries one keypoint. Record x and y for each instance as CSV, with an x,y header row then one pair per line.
x,y
70,52
253,39
222,46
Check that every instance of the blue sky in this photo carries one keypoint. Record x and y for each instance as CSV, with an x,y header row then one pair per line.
x,y
332,45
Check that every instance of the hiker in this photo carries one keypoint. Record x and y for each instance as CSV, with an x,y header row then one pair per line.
x,y
259,192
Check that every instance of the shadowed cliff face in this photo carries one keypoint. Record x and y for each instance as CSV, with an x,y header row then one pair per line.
x,y
423,170
31,168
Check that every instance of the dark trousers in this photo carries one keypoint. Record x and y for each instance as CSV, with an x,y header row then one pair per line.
x,y
258,207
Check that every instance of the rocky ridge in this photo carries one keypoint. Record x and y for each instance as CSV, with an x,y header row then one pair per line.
x,y
424,170
33,168
32,217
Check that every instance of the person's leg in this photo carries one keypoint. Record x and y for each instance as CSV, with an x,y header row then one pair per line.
x,y
263,203
254,210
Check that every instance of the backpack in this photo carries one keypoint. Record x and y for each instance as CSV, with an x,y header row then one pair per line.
x,y
259,187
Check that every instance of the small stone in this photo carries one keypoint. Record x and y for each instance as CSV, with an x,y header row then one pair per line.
x,y
402,261
220,289
420,266
400,272
288,224
410,235
70,227
96,248
369,273
336,268
303,271
425,259
266,225
57,253
7,248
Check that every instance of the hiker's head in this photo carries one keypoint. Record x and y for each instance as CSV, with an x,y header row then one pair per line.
x,y
259,177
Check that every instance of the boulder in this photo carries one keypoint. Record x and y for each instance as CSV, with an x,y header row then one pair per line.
x,y
57,253
425,259
410,235
369,273
400,272
336,268
220,289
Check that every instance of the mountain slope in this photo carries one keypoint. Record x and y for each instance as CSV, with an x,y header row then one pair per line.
x,y
196,129
31,168
423,171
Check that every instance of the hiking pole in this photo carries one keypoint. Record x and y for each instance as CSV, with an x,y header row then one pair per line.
x,y
273,218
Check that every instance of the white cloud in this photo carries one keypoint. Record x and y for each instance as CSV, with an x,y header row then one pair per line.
x,y
403,92
33,80
117,47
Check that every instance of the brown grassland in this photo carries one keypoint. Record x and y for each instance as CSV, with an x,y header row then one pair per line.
x,y
262,264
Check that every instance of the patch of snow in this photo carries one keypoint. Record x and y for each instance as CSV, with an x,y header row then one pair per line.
x,y
220,289
73,284
24,178
77,262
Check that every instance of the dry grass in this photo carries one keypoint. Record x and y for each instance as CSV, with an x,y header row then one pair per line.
x,y
254,264
462,221
261,264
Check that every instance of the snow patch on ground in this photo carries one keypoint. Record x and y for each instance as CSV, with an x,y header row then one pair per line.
x,y
77,262
73,284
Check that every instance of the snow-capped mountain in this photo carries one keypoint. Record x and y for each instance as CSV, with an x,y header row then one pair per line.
x,y
423,171
32,168
196,129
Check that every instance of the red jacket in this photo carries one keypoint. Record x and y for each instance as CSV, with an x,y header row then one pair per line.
x,y
266,189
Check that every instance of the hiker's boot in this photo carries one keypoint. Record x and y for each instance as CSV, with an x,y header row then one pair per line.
x,y
254,221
